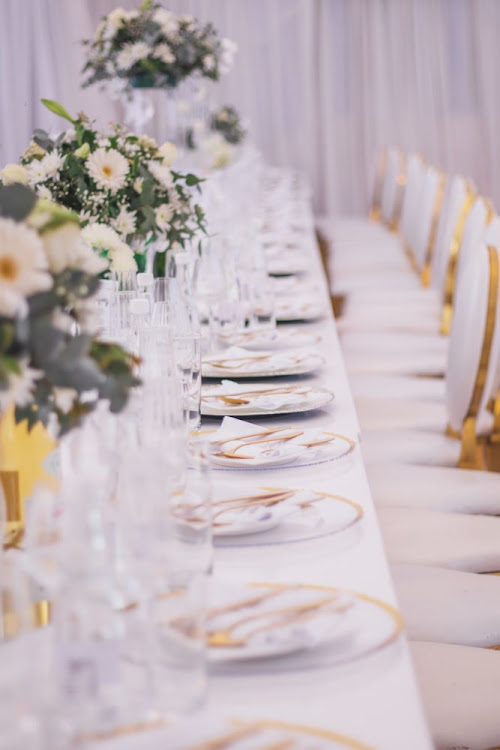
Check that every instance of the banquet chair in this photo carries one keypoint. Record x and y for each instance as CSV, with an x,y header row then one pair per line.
x,y
448,606
472,380
405,351
460,687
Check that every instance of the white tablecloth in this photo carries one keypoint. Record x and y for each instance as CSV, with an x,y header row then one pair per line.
x,y
375,699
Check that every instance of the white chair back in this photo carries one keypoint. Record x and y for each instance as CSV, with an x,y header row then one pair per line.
x,y
456,204
473,356
429,205
475,226
391,185
415,174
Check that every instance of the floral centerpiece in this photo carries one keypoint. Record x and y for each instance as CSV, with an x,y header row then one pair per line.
x,y
226,121
151,47
121,186
53,367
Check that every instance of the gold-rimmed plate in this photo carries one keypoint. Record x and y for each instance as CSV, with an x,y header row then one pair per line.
x,y
242,445
275,339
240,363
258,624
293,309
235,399
256,734
265,516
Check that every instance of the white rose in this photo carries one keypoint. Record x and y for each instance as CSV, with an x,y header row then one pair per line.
x,y
65,248
13,173
122,258
168,152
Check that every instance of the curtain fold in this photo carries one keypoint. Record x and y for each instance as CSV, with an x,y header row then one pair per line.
x,y
323,83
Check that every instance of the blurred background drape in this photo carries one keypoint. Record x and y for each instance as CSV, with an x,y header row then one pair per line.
x,y
323,83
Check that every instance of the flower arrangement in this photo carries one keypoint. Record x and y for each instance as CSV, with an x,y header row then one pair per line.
x,y
121,186
153,48
53,367
226,121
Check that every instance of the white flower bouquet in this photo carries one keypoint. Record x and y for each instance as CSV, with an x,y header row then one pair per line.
x,y
53,367
121,186
153,48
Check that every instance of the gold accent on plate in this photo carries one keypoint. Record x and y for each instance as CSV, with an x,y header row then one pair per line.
x,y
393,613
471,457
246,728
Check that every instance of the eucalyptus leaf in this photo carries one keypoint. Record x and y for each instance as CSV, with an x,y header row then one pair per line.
x,y
16,201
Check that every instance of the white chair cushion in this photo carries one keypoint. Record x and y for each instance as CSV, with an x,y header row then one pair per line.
x,y
394,414
410,447
398,386
448,606
461,693
435,488
443,540
393,342
395,363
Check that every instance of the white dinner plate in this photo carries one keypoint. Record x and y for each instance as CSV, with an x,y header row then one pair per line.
x,y
258,515
241,363
289,310
278,338
209,732
238,444
246,622
236,399
286,265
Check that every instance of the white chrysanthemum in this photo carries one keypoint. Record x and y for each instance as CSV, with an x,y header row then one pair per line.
x,y
69,135
167,21
64,398
23,267
140,50
122,258
163,216
108,169
164,53
14,173
168,152
19,388
115,18
52,163
43,192
65,248
100,237
125,221
161,173
36,171
209,63
126,58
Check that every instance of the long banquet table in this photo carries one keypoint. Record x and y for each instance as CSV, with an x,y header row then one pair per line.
x,y
374,699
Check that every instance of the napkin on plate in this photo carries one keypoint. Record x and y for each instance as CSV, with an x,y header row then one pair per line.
x,y
268,401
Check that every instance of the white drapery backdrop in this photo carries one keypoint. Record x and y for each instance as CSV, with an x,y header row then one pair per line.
x,y
323,83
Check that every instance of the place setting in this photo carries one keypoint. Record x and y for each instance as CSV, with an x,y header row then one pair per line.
x,y
241,445
283,627
244,363
258,515
237,399
292,309
252,733
275,339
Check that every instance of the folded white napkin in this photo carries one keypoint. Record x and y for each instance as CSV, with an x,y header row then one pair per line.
x,y
273,361
268,401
